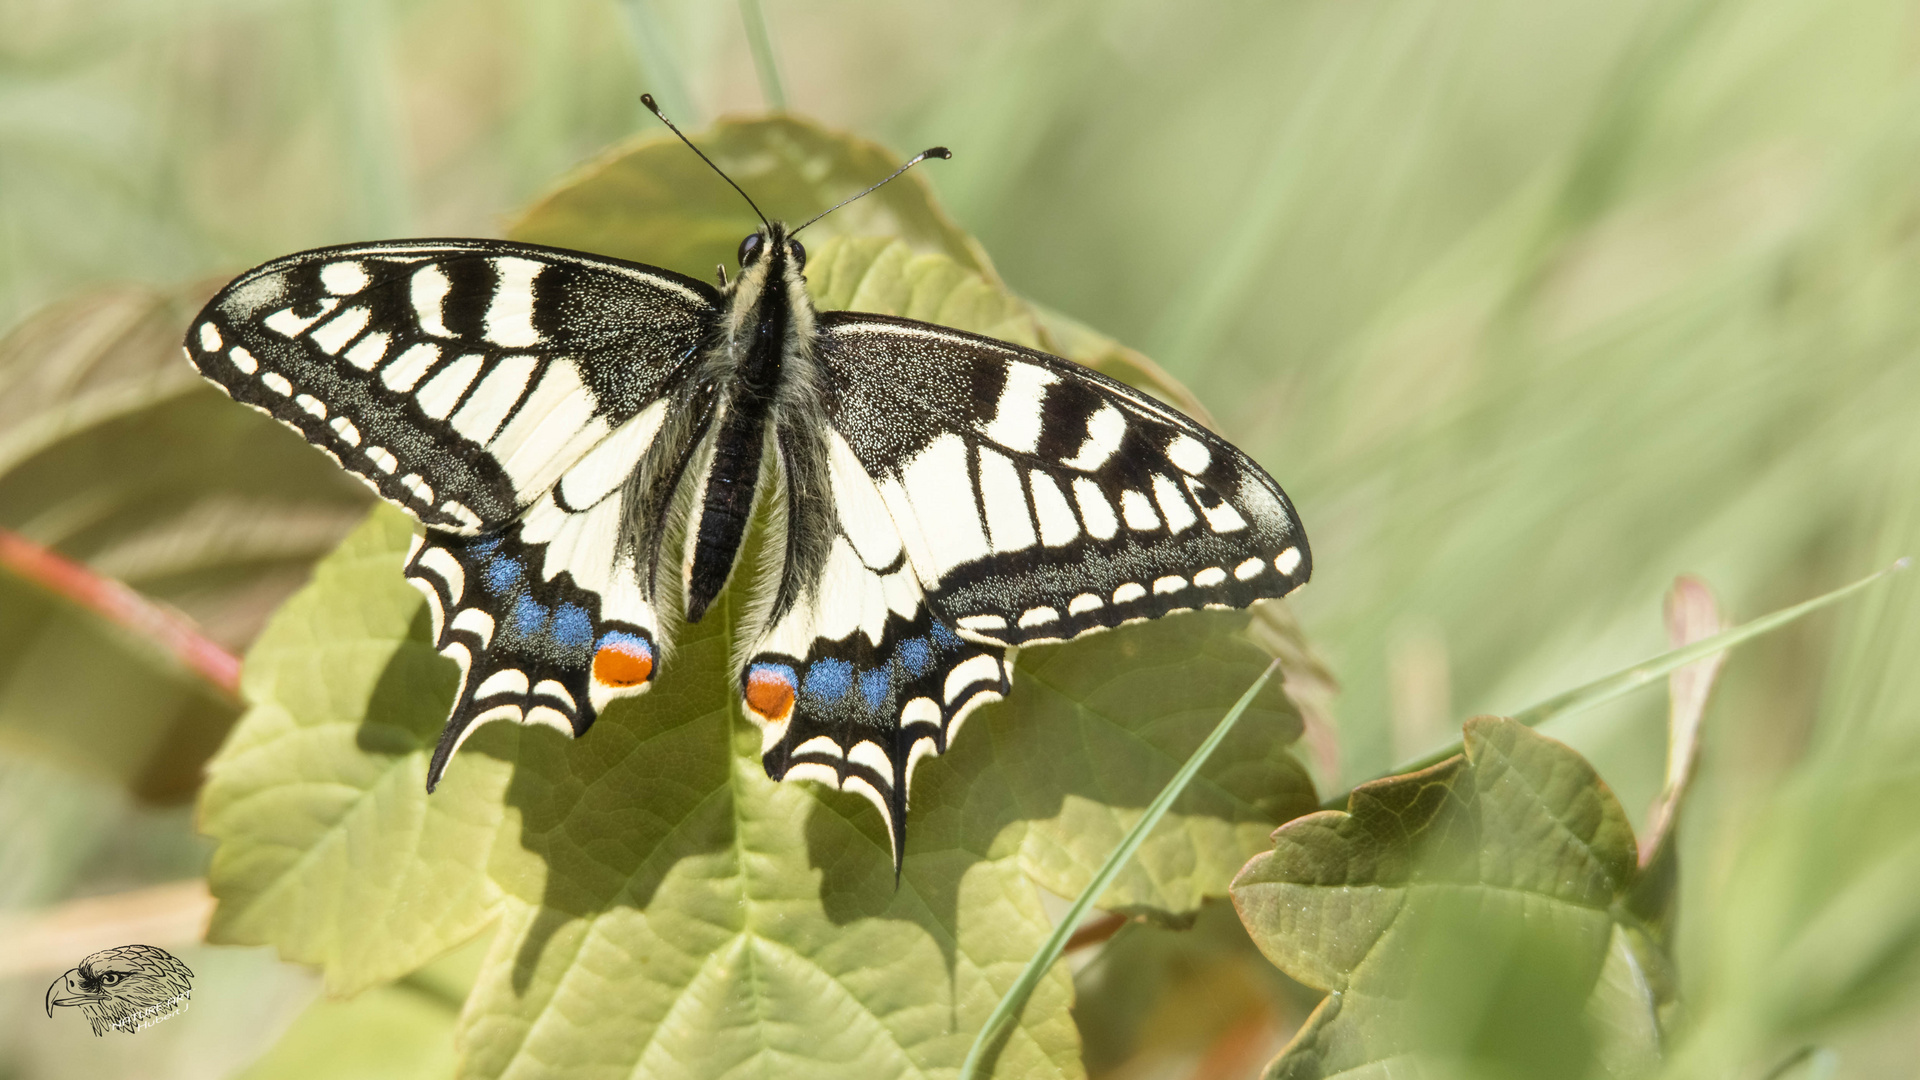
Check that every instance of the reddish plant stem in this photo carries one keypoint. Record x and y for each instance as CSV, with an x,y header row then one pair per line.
x,y
173,633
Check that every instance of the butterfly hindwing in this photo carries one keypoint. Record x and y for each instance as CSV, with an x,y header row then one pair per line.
x,y
860,678
459,378
1040,500
547,618
860,713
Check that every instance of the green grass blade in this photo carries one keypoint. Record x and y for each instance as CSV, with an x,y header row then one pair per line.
x,y
660,74
1005,1013
761,43
1621,683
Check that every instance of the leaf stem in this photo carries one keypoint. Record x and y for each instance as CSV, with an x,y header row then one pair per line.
x,y
1624,682
1005,1013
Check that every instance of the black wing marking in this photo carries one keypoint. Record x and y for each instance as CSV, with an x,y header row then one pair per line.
x,y
459,378
1040,500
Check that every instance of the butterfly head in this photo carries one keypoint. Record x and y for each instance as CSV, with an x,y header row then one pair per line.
x,y
766,239
771,262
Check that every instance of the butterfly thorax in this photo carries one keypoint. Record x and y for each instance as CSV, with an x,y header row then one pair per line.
x,y
760,362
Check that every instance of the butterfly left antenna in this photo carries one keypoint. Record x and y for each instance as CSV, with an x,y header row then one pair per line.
x,y
940,152
647,100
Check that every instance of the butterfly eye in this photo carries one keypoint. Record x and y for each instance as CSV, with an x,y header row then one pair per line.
x,y
799,254
749,248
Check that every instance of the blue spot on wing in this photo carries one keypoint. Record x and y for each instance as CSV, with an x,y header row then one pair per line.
x,y
572,626
914,655
528,617
778,671
503,575
829,680
944,639
873,687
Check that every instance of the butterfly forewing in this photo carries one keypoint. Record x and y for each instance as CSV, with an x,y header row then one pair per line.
x,y
460,378
1039,500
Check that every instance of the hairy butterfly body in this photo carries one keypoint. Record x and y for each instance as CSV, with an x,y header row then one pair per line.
x,y
558,421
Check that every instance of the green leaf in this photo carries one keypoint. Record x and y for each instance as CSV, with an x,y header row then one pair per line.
x,y
655,853
990,1040
1108,720
1460,914
651,881
662,907
332,850
885,275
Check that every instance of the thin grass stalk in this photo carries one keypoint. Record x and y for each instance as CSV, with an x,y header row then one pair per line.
x,y
1621,683
1004,1014
760,42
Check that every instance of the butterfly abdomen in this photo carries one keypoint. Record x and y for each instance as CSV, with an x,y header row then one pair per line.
x,y
726,504
755,370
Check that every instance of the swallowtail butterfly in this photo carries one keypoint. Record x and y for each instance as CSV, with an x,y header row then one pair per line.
x,y
557,421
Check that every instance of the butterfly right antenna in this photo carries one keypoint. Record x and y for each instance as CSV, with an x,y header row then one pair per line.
x,y
940,152
647,100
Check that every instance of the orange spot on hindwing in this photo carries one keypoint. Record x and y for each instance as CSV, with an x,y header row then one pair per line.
x,y
622,660
770,691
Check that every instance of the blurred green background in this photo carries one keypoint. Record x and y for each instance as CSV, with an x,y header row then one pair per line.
x,y
1529,305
